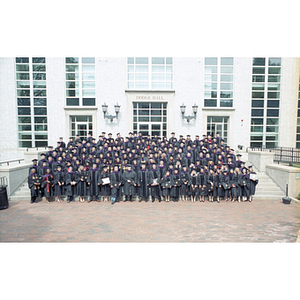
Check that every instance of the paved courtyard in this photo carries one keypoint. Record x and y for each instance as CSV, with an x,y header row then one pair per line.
x,y
258,221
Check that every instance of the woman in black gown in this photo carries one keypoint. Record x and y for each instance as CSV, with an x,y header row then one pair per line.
x,y
166,186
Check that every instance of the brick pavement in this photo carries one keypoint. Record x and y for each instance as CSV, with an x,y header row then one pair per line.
x,y
258,221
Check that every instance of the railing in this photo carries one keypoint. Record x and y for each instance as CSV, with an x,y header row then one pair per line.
x,y
10,161
36,148
282,154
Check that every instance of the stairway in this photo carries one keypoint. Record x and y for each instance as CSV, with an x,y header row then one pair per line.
x,y
266,189
22,193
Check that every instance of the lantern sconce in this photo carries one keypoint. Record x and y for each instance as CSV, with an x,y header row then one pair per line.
x,y
110,117
188,118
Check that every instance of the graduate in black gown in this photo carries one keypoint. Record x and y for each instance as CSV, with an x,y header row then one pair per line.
x,y
234,179
58,182
34,184
94,182
81,179
143,183
129,182
194,185
253,183
47,184
175,189
202,184
210,181
245,184
184,177
115,185
105,187
225,182
70,182
154,181
166,185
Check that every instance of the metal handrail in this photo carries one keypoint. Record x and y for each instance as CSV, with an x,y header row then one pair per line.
x,y
9,161
37,148
281,154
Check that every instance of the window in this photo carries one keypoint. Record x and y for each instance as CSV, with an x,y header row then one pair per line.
x,y
150,118
80,81
218,82
150,73
31,87
265,101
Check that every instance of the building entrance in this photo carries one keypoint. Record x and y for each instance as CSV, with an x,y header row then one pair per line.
x,y
81,125
150,118
218,124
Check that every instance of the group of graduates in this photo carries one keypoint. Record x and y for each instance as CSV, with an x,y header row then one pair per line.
x,y
142,166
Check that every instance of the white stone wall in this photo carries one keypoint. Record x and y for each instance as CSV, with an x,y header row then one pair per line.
x,y
111,86
8,110
288,102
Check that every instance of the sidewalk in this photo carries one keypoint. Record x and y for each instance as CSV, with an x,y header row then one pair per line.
x,y
258,221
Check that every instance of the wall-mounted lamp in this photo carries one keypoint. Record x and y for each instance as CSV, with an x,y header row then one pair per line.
x,y
188,118
111,117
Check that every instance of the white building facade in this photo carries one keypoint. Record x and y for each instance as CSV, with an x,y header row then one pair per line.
x,y
250,101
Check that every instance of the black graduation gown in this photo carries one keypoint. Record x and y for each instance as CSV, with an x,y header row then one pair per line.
x,y
35,190
155,189
220,187
128,187
234,186
47,187
175,190
245,185
58,177
115,181
211,187
184,177
105,188
94,188
71,190
193,181
225,182
252,184
81,184
202,184
166,185
143,183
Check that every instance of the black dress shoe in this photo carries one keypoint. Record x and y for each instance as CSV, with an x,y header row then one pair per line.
x,y
31,201
112,203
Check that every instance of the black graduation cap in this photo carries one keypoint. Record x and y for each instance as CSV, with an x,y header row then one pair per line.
x,y
50,147
244,168
58,142
70,137
172,132
239,155
103,132
35,159
93,139
250,167
181,136
232,149
130,132
58,166
110,134
225,171
188,135
43,154
197,135
217,132
222,140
